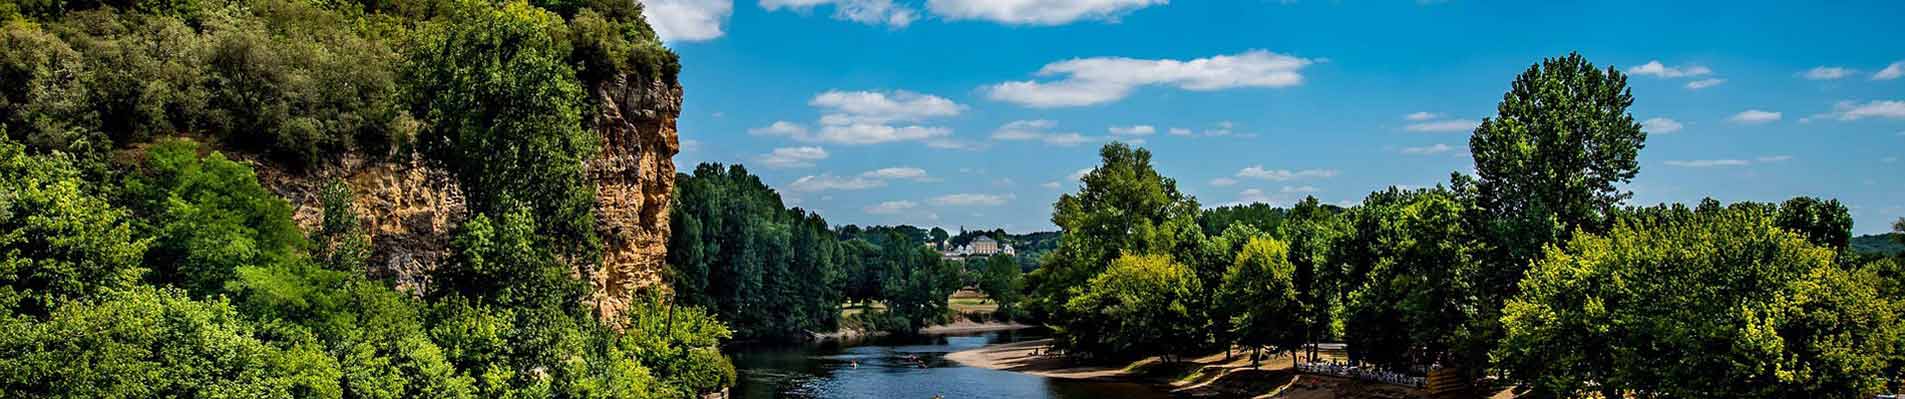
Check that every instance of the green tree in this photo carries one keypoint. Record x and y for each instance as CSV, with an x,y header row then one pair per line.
x,y
144,343
1826,223
1549,163
918,286
1314,231
58,240
1261,284
209,218
769,271
1718,302
1142,305
1122,205
1560,142
1417,305
341,241
503,111
1003,282
500,261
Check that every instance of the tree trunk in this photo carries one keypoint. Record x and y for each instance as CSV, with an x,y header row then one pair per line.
x,y
1256,355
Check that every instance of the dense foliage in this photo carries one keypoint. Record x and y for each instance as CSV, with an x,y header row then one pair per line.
x,y
138,261
1003,281
1715,303
1124,206
1141,304
775,273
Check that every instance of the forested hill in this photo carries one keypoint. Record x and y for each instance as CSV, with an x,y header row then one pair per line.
x,y
1887,244
193,191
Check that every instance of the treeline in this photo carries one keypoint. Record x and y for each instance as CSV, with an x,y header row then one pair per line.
x,y
134,263
1534,270
774,273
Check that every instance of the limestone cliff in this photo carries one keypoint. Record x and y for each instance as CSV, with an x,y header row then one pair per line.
x,y
410,209
634,175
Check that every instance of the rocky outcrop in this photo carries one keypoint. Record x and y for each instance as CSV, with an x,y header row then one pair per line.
x,y
407,208
634,175
410,209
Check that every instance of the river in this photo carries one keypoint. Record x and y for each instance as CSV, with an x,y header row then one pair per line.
x,y
885,371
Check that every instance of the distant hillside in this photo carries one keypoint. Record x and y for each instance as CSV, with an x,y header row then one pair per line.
x,y
1882,244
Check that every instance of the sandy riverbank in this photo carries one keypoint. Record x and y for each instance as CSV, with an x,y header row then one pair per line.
x,y
1208,376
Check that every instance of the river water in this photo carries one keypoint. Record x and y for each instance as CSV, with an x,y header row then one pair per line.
x,y
886,370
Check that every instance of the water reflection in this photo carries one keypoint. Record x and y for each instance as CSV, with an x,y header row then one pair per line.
x,y
898,368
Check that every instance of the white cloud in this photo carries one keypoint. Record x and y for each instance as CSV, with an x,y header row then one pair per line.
x,y
1421,116
1079,174
1300,189
871,117
891,207
1050,184
1709,163
1451,125
826,182
1137,130
690,145
1889,160
1890,72
1852,111
1704,83
1036,12
1754,116
1091,81
1178,131
872,107
861,133
792,157
1428,150
970,199
1223,182
1661,125
1656,69
780,128
1067,139
898,173
870,12
1826,73
687,20
1024,130
1258,172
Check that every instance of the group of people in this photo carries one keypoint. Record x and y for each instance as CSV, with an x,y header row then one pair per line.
x,y
1341,369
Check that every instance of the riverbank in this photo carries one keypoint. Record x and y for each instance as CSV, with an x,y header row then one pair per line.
x,y
1207,376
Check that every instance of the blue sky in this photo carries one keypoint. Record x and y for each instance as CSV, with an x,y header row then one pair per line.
x,y
978,113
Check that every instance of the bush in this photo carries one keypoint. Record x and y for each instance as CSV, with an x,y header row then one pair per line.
x,y
148,342
58,240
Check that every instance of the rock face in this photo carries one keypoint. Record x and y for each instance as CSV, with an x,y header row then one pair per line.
x,y
407,208
634,175
410,209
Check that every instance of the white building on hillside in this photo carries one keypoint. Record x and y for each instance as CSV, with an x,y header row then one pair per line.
x,y
982,246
